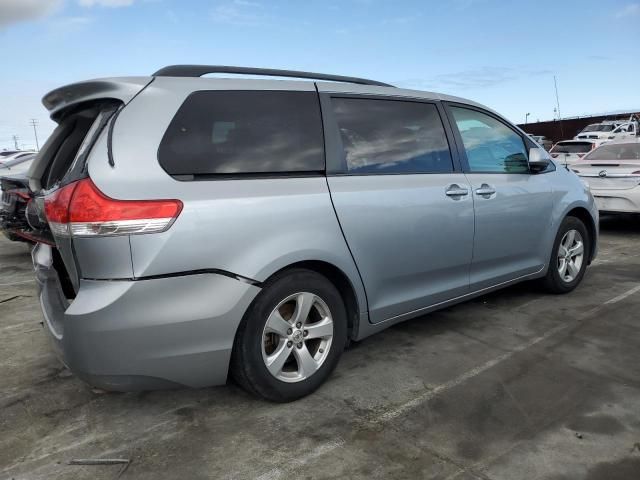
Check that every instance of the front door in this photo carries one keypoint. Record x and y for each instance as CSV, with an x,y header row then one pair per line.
x,y
512,205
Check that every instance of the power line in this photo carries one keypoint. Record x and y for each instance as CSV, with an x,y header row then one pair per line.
x,y
34,123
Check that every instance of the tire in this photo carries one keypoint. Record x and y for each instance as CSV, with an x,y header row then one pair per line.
x,y
263,339
554,281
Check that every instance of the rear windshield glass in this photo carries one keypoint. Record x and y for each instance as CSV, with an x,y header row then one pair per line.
x,y
239,132
623,151
598,127
572,147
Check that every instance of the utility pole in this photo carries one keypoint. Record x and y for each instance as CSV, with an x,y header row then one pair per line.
x,y
555,84
15,142
34,124
526,118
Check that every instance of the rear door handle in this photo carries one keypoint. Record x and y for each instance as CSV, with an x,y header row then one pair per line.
x,y
485,190
456,190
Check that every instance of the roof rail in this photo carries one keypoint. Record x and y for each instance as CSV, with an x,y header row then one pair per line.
x,y
199,70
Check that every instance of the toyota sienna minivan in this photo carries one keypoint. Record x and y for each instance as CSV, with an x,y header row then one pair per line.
x,y
193,228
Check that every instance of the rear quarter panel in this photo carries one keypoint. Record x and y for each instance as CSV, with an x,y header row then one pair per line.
x,y
251,228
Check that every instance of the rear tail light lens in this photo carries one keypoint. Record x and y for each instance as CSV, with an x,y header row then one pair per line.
x,y
80,209
56,209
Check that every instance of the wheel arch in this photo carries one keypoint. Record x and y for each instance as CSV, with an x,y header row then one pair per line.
x,y
340,280
585,217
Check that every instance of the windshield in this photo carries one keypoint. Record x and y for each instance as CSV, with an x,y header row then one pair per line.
x,y
599,127
621,151
571,147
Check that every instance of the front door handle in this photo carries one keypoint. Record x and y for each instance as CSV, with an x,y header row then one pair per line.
x,y
485,190
456,190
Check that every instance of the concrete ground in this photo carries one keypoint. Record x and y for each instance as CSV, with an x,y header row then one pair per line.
x,y
513,385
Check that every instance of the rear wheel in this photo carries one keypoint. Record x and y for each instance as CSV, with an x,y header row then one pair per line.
x,y
291,337
569,257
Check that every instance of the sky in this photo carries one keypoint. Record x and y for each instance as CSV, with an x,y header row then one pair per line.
x,y
502,54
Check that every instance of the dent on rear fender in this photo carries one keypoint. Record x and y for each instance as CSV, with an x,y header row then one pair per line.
x,y
180,329
203,295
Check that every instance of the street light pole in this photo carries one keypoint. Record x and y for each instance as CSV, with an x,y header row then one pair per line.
x,y
555,84
34,123
526,118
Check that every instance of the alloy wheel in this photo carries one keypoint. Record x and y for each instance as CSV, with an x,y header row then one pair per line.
x,y
297,337
570,256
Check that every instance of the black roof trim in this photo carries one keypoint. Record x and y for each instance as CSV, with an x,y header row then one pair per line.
x,y
199,70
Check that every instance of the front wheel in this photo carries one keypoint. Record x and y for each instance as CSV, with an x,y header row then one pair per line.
x,y
569,257
291,338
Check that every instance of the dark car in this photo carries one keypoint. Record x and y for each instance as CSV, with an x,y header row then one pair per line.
x,y
15,198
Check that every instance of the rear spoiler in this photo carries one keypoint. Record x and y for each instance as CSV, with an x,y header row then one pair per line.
x,y
121,88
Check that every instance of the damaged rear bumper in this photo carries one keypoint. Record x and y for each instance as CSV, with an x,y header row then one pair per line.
x,y
144,334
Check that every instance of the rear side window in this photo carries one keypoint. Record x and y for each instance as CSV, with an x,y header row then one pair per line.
x,y
572,147
490,145
244,132
621,151
389,136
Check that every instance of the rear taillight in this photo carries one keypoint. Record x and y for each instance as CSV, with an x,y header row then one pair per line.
x,y
56,209
80,209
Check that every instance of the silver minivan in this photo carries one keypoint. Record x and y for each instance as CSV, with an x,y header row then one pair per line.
x,y
194,227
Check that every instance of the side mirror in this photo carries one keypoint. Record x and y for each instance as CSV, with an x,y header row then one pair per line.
x,y
539,159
